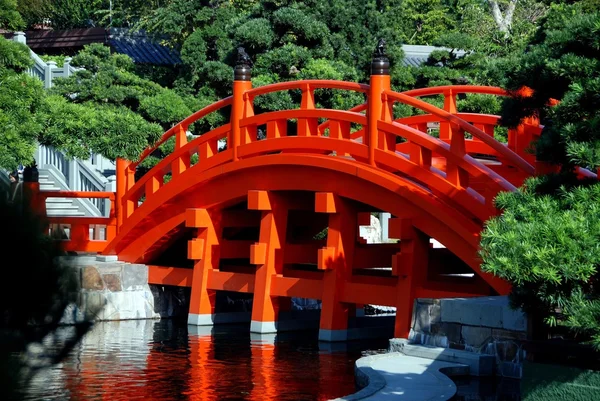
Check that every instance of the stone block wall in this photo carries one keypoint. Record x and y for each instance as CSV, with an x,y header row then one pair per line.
x,y
485,325
111,290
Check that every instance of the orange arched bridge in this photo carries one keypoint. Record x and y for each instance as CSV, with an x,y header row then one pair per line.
x,y
249,213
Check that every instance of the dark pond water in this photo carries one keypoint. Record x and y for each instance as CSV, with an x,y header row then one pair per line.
x,y
166,360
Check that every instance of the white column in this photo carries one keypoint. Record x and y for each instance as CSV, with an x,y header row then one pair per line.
x,y
50,65
19,37
384,219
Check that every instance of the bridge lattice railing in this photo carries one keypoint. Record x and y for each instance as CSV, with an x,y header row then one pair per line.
x,y
345,133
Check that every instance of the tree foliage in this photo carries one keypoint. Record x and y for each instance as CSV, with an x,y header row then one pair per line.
x,y
105,108
10,19
546,240
20,105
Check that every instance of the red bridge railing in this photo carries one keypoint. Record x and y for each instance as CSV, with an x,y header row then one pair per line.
x,y
85,234
367,133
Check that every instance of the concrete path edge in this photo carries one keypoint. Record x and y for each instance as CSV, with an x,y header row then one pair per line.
x,y
372,381
367,377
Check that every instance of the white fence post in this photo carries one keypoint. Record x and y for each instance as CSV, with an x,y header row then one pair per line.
x,y
19,37
67,67
111,186
50,65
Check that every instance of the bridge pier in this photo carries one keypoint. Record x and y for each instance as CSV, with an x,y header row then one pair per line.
x,y
411,267
204,250
267,255
336,261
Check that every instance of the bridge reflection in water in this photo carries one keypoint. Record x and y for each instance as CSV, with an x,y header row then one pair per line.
x,y
162,360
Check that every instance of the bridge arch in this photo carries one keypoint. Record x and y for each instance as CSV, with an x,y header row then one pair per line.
x,y
348,162
224,186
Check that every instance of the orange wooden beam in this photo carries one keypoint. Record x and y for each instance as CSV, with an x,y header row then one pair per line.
x,y
235,249
296,287
240,218
301,253
176,276
228,281
374,255
362,293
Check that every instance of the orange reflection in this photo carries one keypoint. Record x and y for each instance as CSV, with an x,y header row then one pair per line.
x,y
208,366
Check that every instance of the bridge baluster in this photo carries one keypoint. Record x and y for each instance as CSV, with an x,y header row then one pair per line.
x,y
487,128
455,174
182,163
339,130
420,155
276,129
152,185
249,132
121,167
450,107
308,126
386,140
207,149
130,203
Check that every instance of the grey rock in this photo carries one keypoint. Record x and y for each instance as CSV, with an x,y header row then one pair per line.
x,y
91,279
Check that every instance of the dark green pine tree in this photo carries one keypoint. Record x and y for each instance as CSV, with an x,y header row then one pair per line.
x,y
547,241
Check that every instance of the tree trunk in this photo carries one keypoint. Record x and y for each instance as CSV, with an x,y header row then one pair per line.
x,y
504,22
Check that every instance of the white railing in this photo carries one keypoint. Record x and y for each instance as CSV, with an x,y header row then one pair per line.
x,y
46,71
70,174
76,175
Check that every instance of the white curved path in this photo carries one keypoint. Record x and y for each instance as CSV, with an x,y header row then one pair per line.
x,y
395,376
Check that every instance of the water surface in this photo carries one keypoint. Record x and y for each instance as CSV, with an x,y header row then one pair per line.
x,y
166,360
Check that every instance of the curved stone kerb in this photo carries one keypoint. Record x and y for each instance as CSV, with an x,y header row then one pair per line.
x,y
368,378
370,373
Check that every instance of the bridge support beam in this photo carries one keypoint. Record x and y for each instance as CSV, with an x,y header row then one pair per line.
x,y
336,261
267,255
204,250
411,266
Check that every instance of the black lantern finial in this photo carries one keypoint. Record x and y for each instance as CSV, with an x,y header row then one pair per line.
x,y
243,66
380,64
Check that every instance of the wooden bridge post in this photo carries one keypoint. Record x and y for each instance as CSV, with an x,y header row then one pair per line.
x,y
267,255
379,82
204,250
336,259
411,266
121,173
242,75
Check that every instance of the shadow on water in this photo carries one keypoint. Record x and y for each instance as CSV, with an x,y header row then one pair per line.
x,y
168,360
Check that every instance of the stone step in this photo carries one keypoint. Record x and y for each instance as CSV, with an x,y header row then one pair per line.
x,y
59,200
64,213
479,364
49,188
57,207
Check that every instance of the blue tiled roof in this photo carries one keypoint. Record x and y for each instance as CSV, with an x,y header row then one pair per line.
x,y
415,55
142,48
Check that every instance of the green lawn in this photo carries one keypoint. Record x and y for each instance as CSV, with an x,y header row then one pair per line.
x,y
543,382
